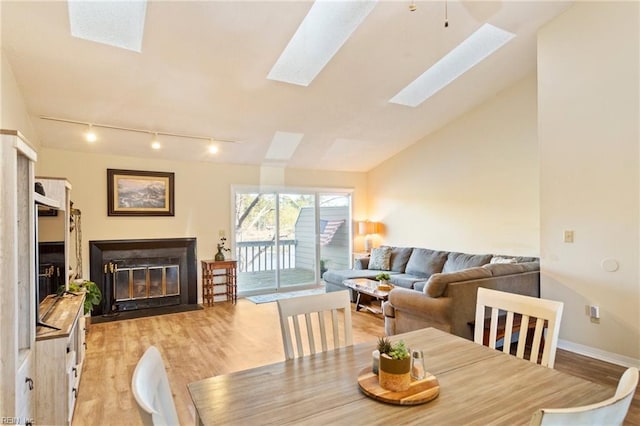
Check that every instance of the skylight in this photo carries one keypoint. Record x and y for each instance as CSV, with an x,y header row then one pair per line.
x,y
116,23
477,47
320,35
283,145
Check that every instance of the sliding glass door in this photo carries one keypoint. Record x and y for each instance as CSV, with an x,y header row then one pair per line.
x,y
285,239
255,241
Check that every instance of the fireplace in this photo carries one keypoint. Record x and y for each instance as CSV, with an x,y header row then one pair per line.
x,y
144,274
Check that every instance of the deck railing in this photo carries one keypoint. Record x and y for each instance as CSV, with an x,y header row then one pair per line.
x,y
255,256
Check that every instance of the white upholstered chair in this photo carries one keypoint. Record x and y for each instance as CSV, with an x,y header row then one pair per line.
x,y
317,310
152,392
544,311
611,411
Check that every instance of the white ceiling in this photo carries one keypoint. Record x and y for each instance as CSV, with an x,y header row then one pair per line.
x,y
203,71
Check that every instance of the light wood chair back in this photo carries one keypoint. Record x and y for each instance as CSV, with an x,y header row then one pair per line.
x,y
542,310
611,411
315,309
151,390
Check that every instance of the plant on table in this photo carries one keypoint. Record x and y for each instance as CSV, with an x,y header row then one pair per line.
x,y
221,249
93,295
395,365
383,276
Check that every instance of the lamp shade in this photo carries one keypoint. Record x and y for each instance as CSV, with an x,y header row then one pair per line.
x,y
366,228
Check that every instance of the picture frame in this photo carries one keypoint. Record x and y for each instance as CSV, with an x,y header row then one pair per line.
x,y
140,193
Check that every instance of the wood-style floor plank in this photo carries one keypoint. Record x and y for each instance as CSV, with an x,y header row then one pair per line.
x,y
219,340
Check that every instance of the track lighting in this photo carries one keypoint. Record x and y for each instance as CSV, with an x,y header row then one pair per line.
x,y
213,148
155,143
90,136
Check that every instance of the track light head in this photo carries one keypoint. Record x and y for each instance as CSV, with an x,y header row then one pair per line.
x,y
155,143
90,136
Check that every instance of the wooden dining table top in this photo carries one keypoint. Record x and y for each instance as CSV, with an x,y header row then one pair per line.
x,y
478,385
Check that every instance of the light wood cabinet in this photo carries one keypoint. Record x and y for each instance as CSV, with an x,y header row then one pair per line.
x,y
17,286
60,357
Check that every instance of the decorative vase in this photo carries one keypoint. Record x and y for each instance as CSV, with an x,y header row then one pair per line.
x,y
394,374
219,255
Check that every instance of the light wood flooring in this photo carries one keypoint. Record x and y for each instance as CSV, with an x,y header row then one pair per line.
x,y
218,340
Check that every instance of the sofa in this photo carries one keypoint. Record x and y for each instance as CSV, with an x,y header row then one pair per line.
x,y
434,288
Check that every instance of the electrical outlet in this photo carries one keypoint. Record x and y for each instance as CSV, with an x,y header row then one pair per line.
x,y
568,236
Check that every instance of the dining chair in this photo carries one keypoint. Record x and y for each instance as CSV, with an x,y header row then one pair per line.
x,y
152,392
611,411
532,310
315,309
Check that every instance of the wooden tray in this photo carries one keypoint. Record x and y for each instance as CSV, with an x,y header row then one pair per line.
x,y
419,392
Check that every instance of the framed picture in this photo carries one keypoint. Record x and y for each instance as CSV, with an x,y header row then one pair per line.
x,y
140,193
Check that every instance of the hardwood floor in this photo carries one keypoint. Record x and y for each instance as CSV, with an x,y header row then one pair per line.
x,y
218,340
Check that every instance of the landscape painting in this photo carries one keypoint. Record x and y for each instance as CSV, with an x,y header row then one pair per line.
x,y
140,193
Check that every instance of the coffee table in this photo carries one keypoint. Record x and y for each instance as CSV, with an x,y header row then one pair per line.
x,y
370,288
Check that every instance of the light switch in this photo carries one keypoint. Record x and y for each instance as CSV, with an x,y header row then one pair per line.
x,y
568,236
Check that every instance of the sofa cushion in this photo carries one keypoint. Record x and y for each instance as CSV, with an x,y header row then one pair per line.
x,y
380,258
437,283
530,266
399,258
419,286
337,276
361,263
404,280
499,269
459,261
425,262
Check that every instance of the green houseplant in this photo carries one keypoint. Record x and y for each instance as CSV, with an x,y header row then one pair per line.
x,y
395,365
93,295
383,276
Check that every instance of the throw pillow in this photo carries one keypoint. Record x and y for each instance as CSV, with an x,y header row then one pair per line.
x,y
380,258
500,259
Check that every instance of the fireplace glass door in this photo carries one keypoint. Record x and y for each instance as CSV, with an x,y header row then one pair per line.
x,y
146,282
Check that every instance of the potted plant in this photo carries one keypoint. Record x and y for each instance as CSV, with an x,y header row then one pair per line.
x,y
383,277
323,266
395,365
221,249
93,294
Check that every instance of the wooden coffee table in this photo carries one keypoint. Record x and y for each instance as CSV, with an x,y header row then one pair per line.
x,y
370,288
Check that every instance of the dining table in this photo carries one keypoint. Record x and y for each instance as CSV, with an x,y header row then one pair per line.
x,y
478,386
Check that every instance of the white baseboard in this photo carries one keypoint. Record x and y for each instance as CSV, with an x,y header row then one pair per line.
x,y
598,354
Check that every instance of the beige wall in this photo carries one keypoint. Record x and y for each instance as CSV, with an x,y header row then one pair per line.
x,y
471,186
13,112
202,195
588,131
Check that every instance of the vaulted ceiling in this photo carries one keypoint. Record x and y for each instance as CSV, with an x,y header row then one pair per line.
x,y
203,68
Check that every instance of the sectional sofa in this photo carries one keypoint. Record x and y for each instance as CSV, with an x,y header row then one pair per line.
x,y
434,288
